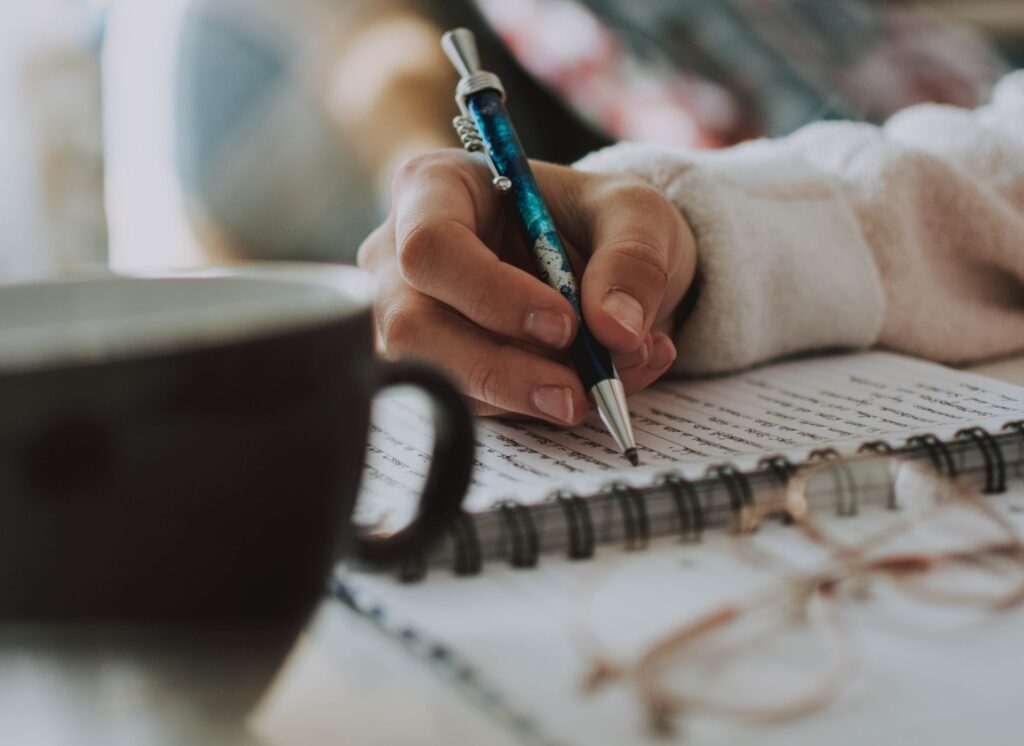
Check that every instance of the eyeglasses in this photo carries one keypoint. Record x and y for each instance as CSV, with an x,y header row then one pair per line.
x,y
788,649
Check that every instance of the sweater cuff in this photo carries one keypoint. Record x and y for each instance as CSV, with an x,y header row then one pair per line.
x,y
784,265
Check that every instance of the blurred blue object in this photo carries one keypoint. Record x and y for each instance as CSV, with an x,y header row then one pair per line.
x,y
256,153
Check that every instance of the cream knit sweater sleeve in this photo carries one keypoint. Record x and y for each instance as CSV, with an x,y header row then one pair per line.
x,y
908,236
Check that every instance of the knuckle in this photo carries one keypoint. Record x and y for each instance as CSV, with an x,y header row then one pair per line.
x,y
644,262
488,308
483,409
486,380
398,329
370,247
632,192
639,193
426,164
413,168
416,251
363,255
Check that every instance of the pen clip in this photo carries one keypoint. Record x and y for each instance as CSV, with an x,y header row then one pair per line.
x,y
473,142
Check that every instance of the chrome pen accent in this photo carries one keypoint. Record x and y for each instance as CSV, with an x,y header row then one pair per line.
x,y
473,141
484,126
610,398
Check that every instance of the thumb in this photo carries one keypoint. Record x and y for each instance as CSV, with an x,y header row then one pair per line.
x,y
634,272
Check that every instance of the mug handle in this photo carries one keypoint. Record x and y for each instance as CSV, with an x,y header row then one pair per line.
x,y
451,465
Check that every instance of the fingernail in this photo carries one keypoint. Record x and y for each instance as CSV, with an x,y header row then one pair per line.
x,y
625,309
663,354
639,356
646,349
551,328
554,401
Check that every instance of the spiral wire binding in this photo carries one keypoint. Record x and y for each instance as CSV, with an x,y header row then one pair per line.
x,y
824,454
780,466
685,507
880,447
995,467
635,522
1018,426
941,458
468,557
783,470
843,480
736,484
689,511
579,524
522,534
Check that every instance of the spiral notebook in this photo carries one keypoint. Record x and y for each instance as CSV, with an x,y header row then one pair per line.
x,y
505,642
551,508
706,447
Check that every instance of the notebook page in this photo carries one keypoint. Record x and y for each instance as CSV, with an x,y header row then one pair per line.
x,y
838,401
924,677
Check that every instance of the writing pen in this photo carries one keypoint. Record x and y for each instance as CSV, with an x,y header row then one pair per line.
x,y
484,125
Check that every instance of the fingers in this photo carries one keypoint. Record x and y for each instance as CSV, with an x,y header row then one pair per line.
x,y
498,377
639,356
637,370
641,255
659,356
438,214
449,292
502,377
638,245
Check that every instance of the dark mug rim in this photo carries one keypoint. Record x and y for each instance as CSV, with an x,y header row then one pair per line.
x,y
104,317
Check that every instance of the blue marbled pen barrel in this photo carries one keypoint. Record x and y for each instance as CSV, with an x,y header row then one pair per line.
x,y
590,358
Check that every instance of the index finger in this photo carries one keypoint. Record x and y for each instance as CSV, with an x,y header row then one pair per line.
x,y
442,207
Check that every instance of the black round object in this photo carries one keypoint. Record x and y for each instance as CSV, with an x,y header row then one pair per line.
x,y
191,447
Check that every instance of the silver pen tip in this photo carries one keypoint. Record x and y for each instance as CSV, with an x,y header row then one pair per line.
x,y
632,456
610,397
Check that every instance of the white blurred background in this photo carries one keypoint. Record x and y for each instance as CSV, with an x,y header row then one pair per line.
x,y
51,197
147,220
106,104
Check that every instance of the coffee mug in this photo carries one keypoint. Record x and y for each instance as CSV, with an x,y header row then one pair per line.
x,y
190,447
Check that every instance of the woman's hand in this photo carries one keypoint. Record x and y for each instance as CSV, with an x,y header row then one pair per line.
x,y
456,284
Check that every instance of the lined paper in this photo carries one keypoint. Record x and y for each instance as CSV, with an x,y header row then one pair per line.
x,y
838,401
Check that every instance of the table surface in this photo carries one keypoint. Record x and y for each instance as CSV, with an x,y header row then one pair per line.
x,y
343,682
